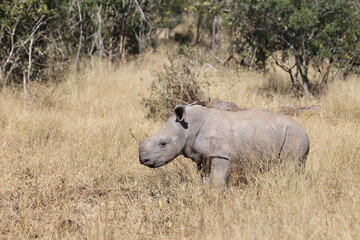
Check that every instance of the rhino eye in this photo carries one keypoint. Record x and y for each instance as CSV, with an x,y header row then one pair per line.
x,y
163,144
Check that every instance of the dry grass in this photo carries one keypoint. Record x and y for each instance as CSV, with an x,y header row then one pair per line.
x,y
69,165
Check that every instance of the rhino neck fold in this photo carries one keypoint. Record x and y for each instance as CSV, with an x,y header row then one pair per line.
x,y
220,157
196,122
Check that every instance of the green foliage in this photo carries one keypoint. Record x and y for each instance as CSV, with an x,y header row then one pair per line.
x,y
169,14
64,31
59,33
307,29
177,83
205,13
20,21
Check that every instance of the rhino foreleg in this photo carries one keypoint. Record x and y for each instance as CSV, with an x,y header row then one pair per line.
x,y
220,171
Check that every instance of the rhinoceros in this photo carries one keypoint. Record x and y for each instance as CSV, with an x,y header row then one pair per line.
x,y
216,139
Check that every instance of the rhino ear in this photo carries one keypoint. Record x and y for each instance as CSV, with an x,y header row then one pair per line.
x,y
180,112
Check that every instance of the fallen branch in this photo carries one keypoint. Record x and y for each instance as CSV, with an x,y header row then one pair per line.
x,y
295,109
210,66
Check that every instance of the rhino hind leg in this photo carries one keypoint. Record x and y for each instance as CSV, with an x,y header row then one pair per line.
x,y
295,146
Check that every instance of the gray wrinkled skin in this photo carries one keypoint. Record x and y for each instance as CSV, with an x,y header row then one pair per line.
x,y
215,139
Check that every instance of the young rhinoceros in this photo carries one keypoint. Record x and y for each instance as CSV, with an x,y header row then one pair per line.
x,y
216,139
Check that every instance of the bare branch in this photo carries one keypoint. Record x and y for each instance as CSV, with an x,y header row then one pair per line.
x,y
210,66
35,28
181,101
12,43
100,45
80,37
217,58
1,32
277,62
143,18
56,47
73,26
26,79
11,68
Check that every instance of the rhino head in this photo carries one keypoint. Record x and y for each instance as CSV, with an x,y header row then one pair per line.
x,y
167,143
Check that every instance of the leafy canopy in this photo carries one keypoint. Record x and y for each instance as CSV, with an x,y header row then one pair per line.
x,y
324,29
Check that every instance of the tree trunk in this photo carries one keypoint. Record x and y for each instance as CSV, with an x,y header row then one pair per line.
x,y
169,35
122,48
26,77
253,57
306,85
304,77
110,48
100,45
111,34
213,40
76,65
2,80
325,77
302,65
198,27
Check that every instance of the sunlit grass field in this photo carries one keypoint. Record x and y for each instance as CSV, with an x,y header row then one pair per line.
x,y
69,166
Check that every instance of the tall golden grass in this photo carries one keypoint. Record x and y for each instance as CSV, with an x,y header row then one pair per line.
x,y
70,170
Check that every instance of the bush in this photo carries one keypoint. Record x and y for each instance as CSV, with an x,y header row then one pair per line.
x,y
179,82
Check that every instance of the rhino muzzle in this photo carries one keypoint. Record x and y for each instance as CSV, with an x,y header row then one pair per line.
x,y
144,155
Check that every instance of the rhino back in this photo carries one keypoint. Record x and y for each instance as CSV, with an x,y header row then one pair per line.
x,y
258,132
